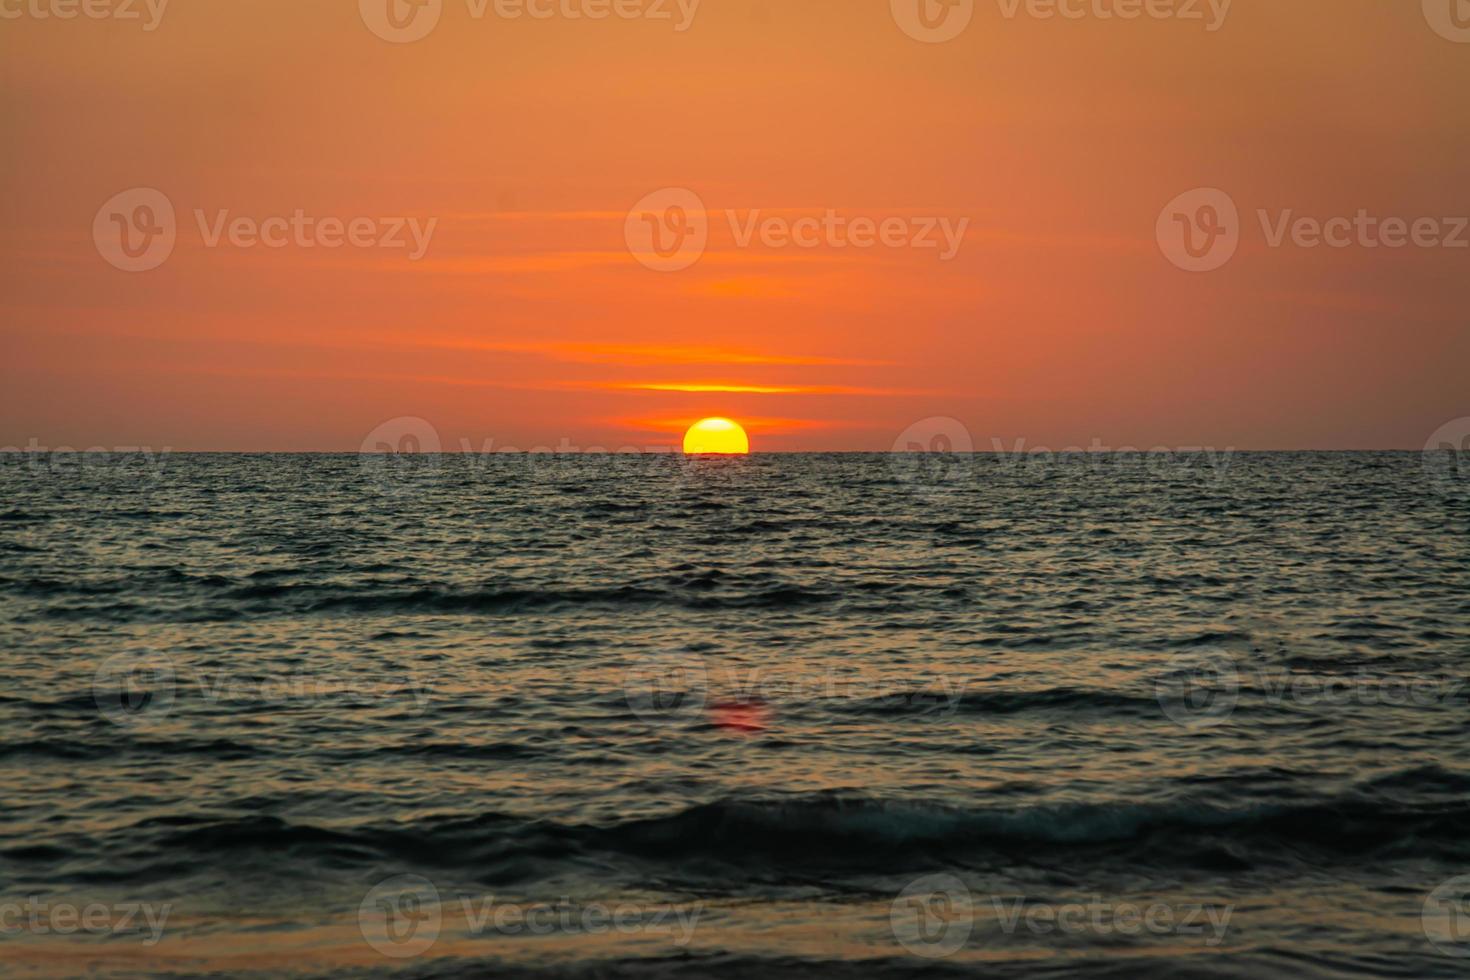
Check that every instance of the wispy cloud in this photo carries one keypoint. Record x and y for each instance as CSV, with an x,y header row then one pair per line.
x,y
731,388
645,355
754,425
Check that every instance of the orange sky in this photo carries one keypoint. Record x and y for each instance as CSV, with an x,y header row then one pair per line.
x,y
527,321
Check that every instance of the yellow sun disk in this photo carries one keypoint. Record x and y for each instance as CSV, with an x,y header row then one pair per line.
x,y
716,437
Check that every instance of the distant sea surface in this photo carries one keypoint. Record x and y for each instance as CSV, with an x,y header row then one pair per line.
x,y
805,715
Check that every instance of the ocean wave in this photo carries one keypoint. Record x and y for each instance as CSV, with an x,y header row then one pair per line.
x,y
928,701
827,830
1264,963
276,600
76,750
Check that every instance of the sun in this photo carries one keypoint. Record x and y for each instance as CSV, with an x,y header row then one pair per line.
x,y
716,437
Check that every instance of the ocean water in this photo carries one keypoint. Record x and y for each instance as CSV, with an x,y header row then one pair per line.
x,y
808,715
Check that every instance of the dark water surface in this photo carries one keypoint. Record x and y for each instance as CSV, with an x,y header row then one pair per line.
x,y
780,716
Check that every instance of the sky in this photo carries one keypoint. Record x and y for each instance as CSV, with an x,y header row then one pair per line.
x,y
831,220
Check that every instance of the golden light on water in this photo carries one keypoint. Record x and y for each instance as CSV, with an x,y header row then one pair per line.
x,y
721,437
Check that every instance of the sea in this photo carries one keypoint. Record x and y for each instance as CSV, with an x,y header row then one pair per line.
x,y
784,715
